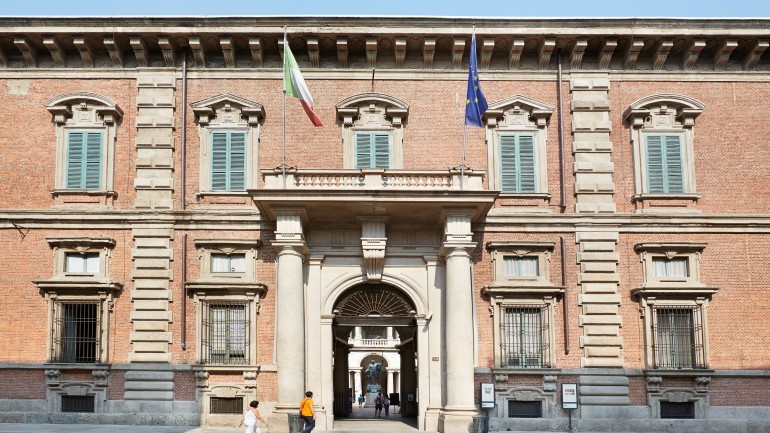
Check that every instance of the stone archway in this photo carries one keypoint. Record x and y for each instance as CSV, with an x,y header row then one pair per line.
x,y
374,324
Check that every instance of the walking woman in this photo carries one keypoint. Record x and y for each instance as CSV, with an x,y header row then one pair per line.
x,y
250,418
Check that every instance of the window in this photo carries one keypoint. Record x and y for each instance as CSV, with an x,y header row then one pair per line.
x,y
76,330
372,131
678,337
77,403
664,163
524,331
228,161
226,405
228,263
82,263
85,134
227,296
225,333
229,128
525,409
677,410
521,266
517,163
79,296
661,128
516,136
372,150
674,303
84,160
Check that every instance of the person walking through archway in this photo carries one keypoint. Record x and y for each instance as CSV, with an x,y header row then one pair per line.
x,y
307,412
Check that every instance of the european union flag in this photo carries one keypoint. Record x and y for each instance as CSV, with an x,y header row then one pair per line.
x,y
475,103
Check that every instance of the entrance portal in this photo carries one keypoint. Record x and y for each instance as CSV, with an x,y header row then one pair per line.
x,y
375,354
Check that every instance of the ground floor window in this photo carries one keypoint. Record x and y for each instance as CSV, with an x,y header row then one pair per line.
x,y
678,338
525,409
676,410
77,332
524,331
225,335
226,405
77,403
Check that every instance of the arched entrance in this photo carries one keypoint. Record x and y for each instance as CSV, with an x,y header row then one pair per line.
x,y
374,352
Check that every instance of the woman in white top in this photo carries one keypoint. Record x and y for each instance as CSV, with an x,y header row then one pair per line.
x,y
250,418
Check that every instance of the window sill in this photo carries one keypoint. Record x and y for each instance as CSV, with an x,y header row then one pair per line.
x,y
662,196
523,289
83,192
525,195
677,372
81,285
525,371
682,291
224,287
201,194
666,203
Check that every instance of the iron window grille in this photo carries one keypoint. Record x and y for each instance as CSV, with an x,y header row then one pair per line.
x,y
524,332
77,403
525,409
225,333
77,332
226,405
677,334
678,410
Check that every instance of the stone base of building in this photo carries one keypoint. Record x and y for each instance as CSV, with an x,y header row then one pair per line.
x,y
456,421
640,425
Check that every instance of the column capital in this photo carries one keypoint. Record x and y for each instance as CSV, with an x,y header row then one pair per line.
x,y
457,246
291,247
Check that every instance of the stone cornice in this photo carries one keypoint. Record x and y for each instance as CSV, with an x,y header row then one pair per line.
x,y
355,43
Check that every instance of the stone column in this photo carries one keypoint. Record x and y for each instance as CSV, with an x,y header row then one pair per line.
x,y
290,317
389,332
357,384
459,406
358,333
390,382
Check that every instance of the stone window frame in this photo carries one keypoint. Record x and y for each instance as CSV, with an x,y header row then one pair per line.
x,y
654,293
664,113
212,288
657,392
372,112
56,388
228,113
205,390
507,292
67,287
518,114
85,111
545,395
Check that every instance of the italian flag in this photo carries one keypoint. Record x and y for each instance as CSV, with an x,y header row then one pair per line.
x,y
294,85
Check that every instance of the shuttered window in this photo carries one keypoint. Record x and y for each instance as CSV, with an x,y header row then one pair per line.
x,y
517,163
373,150
228,161
84,160
665,171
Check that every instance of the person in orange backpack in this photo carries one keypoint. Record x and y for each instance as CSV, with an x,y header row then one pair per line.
x,y
307,412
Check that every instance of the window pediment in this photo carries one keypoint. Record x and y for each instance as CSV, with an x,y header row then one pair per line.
x,y
83,107
227,109
372,108
663,111
518,111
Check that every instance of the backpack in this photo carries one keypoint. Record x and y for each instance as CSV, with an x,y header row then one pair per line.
x,y
378,400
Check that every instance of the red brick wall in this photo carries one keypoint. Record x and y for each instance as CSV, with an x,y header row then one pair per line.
x,y
734,391
22,384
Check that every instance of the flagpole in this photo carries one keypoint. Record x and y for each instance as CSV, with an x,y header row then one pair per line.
x,y
283,137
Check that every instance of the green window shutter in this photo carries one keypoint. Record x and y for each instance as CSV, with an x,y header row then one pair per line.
x,y
219,161
363,150
228,161
526,163
674,169
75,147
93,159
655,169
381,150
665,170
237,161
84,160
517,163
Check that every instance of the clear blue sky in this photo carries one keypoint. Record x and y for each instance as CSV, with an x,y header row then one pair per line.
x,y
446,8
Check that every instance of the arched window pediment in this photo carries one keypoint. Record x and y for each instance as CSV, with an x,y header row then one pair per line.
x,y
105,108
228,109
518,110
393,110
665,109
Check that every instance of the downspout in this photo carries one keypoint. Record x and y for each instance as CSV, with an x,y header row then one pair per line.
x,y
563,201
183,192
565,298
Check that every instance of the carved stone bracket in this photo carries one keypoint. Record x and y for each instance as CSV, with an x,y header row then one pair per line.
x,y
202,379
373,242
53,377
549,383
702,383
250,379
653,383
101,377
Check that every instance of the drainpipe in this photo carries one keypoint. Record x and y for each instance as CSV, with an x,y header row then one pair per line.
x,y
565,298
563,201
183,192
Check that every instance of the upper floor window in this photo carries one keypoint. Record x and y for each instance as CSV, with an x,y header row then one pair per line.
x,y
229,129
228,263
372,131
81,263
661,129
85,137
516,140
